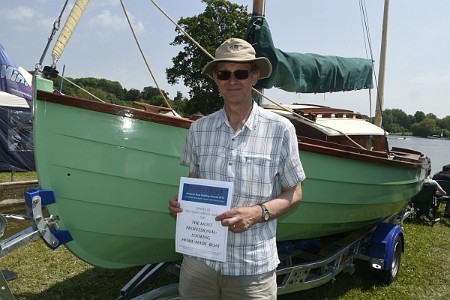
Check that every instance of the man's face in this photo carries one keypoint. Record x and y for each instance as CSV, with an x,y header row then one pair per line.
x,y
235,81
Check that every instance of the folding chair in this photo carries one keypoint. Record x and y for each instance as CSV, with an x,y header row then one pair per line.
x,y
445,185
425,203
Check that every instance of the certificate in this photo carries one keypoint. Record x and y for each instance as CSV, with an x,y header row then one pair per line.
x,y
197,232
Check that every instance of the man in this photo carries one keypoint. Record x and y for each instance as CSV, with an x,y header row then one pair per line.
x,y
256,150
444,175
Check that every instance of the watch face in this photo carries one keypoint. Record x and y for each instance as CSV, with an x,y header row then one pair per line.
x,y
265,213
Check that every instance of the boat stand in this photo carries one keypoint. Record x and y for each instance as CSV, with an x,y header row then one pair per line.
x,y
145,276
5,291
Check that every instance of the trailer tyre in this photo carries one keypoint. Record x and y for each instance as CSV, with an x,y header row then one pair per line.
x,y
390,275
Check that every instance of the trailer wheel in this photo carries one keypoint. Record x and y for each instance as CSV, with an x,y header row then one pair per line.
x,y
390,275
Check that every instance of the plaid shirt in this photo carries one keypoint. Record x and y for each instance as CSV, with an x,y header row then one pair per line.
x,y
261,159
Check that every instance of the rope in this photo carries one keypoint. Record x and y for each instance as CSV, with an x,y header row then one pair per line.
x,y
84,90
181,29
255,90
145,59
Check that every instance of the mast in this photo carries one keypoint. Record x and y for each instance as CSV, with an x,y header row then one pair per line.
x,y
380,94
258,9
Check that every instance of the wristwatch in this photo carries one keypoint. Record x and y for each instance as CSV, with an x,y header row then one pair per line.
x,y
265,212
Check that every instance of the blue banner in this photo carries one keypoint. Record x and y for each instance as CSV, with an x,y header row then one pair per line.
x,y
16,122
11,80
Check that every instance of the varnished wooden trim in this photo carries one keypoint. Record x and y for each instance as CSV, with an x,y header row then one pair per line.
x,y
413,160
113,109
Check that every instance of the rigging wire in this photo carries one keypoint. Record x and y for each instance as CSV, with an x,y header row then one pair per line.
x,y
38,67
56,25
71,23
366,31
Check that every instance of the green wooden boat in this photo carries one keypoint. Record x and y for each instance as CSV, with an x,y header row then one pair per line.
x,y
114,168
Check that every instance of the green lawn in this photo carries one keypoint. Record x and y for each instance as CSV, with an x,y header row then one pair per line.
x,y
17,176
424,273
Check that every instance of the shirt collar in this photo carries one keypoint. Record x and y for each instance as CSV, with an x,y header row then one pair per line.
x,y
250,123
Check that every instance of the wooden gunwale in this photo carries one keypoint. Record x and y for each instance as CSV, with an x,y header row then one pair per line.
x,y
113,109
337,150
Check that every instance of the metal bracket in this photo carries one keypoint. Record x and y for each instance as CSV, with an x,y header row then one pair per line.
x,y
34,200
145,276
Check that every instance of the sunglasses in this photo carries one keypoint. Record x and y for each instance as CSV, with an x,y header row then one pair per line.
x,y
238,74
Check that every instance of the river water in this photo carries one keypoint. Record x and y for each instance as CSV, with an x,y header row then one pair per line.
x,y
437,150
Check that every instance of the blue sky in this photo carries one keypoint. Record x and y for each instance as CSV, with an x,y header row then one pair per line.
x,y
417,67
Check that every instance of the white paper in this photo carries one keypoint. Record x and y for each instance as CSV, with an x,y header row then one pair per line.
x,y
197,232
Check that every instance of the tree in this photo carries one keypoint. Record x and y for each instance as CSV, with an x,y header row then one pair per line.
x,y
179,97
444,123
157,100
149,92
401,118
396,120
180,104
431,116
425,128
388,120
419,116
133,95
220,20
104,89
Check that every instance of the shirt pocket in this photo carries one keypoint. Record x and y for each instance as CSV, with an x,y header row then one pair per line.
x,y
258,173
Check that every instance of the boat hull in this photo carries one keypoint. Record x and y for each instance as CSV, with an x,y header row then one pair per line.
x,y
113,174
341,194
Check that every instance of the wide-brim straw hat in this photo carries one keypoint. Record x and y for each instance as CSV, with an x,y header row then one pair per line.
x,y
238,51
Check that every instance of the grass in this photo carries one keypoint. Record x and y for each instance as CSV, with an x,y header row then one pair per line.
x,y
17,176
424,270
57,274
424,273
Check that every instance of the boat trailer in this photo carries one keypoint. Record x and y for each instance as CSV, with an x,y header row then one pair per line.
x,y
41,227
305,264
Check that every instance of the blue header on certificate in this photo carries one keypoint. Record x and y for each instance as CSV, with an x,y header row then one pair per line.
x,y
205,194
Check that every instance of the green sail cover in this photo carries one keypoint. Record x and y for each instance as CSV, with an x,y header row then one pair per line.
x,y
307,72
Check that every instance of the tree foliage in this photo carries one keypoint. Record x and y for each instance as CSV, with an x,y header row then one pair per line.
x,y
396,120
419,116
421,124
426,127
220,20
113,92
